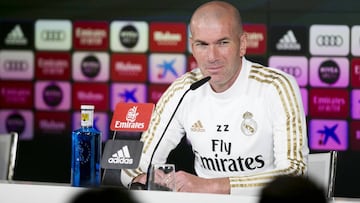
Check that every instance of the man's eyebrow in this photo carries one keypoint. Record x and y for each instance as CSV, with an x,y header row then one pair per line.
x,y
222,39
219,40
200,41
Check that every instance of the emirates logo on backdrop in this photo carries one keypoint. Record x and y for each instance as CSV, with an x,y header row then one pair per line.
x,y
91,35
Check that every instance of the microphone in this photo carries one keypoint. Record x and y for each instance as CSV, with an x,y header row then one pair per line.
x,y
198,84
193,86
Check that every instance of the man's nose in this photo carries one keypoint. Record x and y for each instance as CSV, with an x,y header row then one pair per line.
x,y
212,53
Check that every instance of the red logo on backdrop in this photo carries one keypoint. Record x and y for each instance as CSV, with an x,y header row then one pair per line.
x,y
16,94
256,39
192,64
355,72
129,67
168,37
325,103
156,91
355,135
52,65
91,35
46,123
131,117
91,93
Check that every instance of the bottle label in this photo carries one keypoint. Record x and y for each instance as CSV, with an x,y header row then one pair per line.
x,y
86,117
84,151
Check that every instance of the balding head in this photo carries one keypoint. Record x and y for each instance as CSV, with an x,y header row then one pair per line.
x,y
216,11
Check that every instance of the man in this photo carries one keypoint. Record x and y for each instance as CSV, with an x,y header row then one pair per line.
x,y
246,125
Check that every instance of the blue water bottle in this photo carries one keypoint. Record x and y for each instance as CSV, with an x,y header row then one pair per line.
x,y
86,151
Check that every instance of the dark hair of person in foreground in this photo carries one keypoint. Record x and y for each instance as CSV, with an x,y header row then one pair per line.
x,y
292,189
104,194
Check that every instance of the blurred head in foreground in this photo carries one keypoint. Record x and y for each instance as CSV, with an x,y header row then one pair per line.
x,y
106,194
292,189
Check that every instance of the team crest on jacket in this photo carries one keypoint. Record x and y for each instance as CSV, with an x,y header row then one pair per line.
x,y
248,125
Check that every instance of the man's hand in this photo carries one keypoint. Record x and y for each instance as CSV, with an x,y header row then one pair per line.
x,y
186,182
140,179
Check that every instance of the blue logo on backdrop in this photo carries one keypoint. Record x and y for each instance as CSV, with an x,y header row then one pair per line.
x,y
167,66
329,133
129,95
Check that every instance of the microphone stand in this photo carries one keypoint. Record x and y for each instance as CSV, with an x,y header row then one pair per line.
x,y
193,86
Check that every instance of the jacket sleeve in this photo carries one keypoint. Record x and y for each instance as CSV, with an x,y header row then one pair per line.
x,y
289,133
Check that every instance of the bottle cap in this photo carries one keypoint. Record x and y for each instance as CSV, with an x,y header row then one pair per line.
x,y
87,107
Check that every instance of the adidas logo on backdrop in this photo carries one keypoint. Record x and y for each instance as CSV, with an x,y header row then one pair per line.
x,y
16,37
288,42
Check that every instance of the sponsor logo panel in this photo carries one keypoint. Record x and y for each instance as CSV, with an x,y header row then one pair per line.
x,y
52,65
165,68
168,37
288,40
101,122
355,103
355,40
17,95
91,35
296,66
52,95
129,36
329,103
329,72
91,66
16,34
355,72
130,117
129,67
16,65
328,134
20,121
50,123
119,154
127,93
256,39
53,35
329,40
355,135
156,91
90,93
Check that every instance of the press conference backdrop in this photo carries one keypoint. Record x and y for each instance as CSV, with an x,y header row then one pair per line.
x,y
56,55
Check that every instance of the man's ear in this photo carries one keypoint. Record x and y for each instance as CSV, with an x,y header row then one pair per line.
x,y
243,43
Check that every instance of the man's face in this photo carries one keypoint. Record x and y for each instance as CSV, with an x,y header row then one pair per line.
x,y
218,48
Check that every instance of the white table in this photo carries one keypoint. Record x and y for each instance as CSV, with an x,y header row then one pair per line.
x,y
39,192
20,192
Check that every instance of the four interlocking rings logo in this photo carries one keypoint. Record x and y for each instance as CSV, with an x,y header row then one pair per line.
x,y
15,65
53,35
329,40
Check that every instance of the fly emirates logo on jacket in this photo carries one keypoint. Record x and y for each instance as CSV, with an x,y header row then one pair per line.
x,y
222,164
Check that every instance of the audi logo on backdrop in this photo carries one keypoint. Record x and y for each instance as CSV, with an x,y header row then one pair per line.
x,y
53,35
15,65
329,40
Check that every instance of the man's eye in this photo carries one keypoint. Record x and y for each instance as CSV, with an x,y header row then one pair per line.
x,y
200,44
223,42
